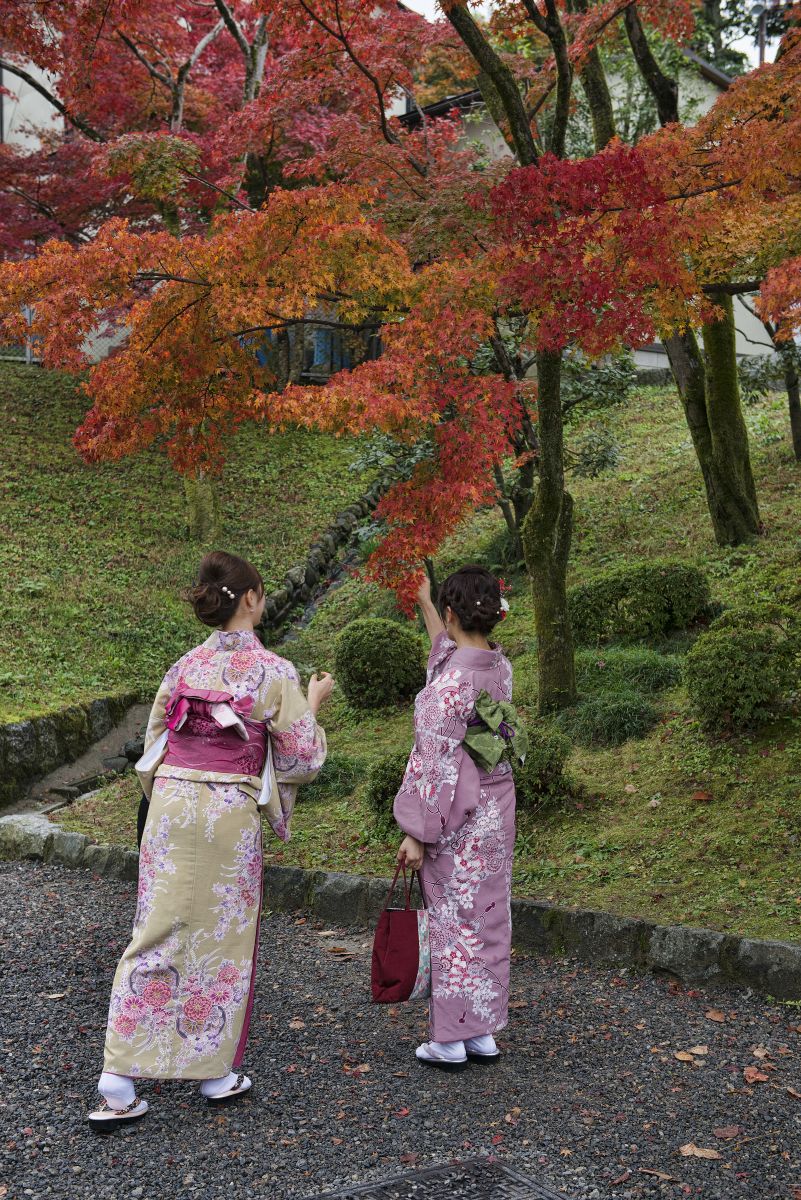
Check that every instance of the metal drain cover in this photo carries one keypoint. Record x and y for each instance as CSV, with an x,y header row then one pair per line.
x,y
477,1179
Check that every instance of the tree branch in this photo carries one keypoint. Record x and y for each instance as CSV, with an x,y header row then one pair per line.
x,y
664,90
502,79
79,123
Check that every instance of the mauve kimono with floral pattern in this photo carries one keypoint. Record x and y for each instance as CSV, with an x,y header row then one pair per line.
x,y
182,994
466,819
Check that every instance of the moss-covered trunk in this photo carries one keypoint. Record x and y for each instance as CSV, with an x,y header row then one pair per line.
x,y
202,507
710,396
738,510
546,537
791,382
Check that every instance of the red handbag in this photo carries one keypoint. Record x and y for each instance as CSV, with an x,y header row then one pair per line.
x,y
401,968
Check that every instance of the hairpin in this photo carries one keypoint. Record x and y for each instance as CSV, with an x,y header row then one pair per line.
x,y
228,592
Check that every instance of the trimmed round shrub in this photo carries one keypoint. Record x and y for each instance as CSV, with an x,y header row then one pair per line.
x,y
637,602
542,776
379,662
741,669
608,720
337,780
625,669
383,784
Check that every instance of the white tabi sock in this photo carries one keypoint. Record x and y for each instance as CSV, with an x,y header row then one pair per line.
x,y
481,1045
117,1090
451,1051
215,1087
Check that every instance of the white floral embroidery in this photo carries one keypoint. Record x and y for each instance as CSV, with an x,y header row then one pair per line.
x,y
479,851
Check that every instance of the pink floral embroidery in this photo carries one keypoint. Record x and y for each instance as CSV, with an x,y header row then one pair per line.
x,y
157,993
197,1008
238,898
154,861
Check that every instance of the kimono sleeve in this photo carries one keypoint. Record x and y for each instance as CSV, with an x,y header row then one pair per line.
x,y
298,742
423,804
442,648
155,735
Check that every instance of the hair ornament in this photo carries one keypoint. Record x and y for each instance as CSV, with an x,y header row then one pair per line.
x,y
228,592
504,605
478,604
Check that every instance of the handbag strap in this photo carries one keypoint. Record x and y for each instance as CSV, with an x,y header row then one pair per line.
x,y
406,887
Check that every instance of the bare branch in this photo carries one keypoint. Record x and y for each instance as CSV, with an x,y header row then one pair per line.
x,y
79,123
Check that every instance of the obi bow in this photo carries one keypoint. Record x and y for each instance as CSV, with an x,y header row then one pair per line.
x,y
493,732
219,707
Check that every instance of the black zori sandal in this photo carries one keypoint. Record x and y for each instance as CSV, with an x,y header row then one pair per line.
x,y
104,1119
238,1089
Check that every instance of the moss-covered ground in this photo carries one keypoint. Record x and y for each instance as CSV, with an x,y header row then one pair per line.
x,y
94,559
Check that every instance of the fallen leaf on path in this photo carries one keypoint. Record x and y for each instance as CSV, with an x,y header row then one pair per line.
x,y
702,796
727,1131
402,1112
660,1175
715,1014
699,1050
327,933
760,1052
296,1023
334,1141
53,995
620,1179
693,1151
792,1092
754,1075
409,1157
683,1056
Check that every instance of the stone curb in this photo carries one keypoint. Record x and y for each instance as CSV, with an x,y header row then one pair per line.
x,y
695,956
32,748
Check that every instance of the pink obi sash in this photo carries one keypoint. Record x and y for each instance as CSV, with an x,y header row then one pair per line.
x,y
211,731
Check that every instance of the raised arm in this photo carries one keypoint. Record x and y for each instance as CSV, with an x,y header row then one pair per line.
x,y
432,619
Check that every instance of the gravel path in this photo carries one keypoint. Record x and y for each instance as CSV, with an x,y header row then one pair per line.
x,y
590,1097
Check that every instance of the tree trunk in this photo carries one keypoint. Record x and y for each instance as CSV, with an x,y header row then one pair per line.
x,y
710,396
791,382
730,452
507,509
202,507
546,537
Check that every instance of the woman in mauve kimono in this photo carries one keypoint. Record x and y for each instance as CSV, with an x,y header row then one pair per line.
x,y
230,735
460,824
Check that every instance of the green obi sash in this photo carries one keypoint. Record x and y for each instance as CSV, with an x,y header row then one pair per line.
x,y
494,732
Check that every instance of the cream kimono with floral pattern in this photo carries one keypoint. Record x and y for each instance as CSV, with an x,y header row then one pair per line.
x,y
182,994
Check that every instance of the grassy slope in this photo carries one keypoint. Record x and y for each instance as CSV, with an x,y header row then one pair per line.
x,y
732,863
94,559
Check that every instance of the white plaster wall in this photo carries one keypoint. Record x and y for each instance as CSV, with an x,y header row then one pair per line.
x,y
26,111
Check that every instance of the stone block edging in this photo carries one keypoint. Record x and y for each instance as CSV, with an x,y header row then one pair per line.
x,y
301,581
695,956
32,748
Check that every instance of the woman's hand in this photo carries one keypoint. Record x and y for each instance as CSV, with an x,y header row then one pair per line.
x,y
320,688
411,852
423,596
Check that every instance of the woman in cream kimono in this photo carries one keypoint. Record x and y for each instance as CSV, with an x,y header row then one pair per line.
x,y
230,735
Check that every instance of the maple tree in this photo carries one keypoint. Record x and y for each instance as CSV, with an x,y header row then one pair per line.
x,y
474,271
